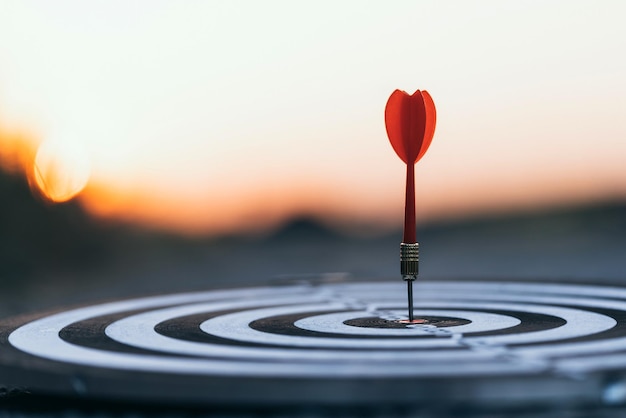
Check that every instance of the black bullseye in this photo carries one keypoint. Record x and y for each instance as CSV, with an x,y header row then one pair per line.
x,y
374,322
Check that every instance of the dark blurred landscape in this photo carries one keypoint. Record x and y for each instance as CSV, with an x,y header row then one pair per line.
x,y
57,255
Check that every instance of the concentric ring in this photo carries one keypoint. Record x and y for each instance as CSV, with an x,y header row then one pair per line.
x,y
306,331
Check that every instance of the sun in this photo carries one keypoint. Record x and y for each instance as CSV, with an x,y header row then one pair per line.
x,y
61,170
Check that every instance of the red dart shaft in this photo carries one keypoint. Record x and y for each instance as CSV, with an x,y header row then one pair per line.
x,y
409,206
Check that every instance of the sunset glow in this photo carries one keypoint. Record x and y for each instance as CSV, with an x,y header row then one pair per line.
x,y
60,170
17,151
213,117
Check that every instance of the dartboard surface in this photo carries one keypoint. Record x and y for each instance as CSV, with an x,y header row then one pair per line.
x,y
331,343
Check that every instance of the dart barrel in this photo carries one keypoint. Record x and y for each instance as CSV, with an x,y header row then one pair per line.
x,y
409,260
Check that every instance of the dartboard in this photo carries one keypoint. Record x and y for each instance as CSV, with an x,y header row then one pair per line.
x,y
331,343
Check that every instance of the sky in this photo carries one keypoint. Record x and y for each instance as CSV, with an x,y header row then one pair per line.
x,y
214,117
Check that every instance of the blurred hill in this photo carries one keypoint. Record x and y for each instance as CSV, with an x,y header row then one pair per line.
x,y
57,255
35,236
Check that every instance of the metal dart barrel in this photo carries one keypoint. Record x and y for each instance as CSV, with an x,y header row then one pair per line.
x,y
409,268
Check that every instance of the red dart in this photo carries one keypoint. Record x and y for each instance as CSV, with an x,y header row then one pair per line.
x,y
410,122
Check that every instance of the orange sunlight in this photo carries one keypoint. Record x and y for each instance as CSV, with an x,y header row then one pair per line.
x,y
17,151
56,171
256,212
60,171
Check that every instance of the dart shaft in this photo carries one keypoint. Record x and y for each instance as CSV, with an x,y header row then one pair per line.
x,y
409,206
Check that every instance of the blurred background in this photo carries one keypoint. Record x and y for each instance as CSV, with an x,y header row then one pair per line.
x,y
157,146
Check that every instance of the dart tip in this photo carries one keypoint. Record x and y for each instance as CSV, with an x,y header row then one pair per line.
x,y
410,298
